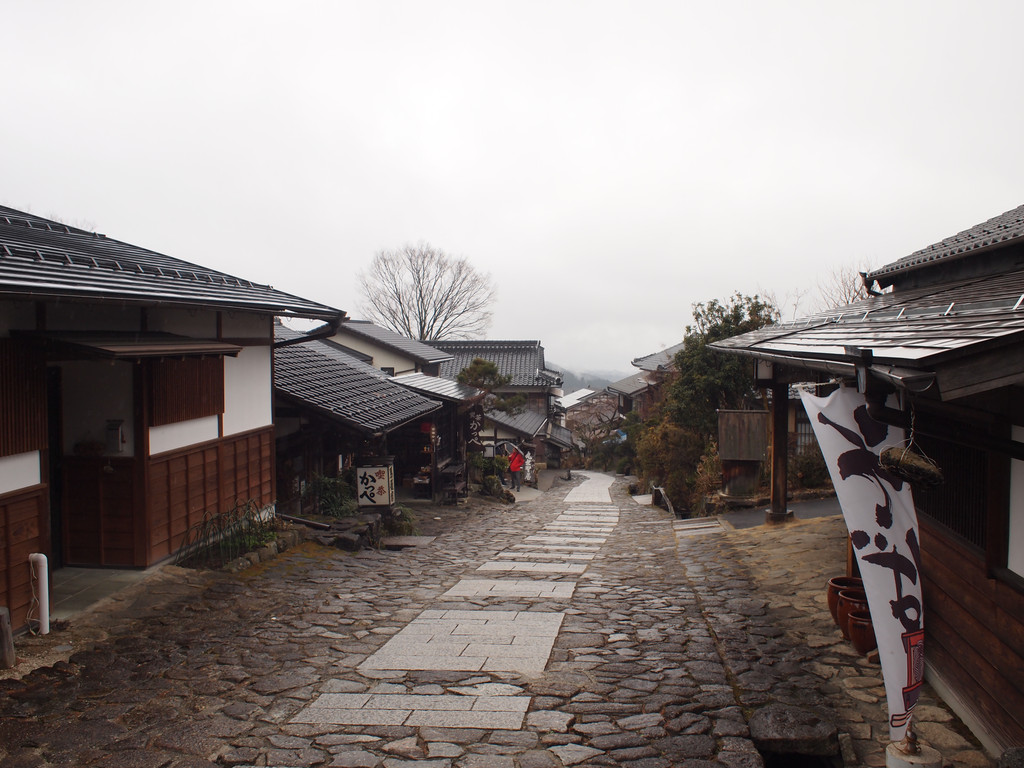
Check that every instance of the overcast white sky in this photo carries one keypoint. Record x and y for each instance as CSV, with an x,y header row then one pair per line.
x,y
609,164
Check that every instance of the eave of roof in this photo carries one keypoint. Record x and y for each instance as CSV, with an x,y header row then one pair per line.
x,y
43,259
527,423
435,386
904,335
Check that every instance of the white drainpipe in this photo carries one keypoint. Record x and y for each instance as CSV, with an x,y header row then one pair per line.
x,y
41,580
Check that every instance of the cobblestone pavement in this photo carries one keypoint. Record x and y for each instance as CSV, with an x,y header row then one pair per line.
x,y
577,628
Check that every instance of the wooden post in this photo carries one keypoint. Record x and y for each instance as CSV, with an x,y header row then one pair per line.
x,y
780,451
7,660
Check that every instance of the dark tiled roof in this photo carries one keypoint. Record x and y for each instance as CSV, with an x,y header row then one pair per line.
x,y
917,327
659,361
522,360
415,350
340,386
631,385
999,231
438,387
361,356
40,258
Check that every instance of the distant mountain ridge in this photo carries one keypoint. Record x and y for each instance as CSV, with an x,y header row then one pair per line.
x,y
571,381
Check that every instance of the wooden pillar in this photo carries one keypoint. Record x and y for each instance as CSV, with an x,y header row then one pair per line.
x,y
779,512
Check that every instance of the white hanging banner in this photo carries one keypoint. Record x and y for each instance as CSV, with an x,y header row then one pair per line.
x,y
879,511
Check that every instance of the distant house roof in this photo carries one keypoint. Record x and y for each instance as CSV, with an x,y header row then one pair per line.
x,y
323,377
438,387
415,350
631,385
575,398
559,435
44,259
659,361
999,231
522,360
528,423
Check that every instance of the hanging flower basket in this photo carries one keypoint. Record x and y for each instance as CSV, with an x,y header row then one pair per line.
x,y
913,467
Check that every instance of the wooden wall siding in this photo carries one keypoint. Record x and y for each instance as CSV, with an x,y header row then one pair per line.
x,y
975,632
184,485
22,399
99,511
22,532
185,389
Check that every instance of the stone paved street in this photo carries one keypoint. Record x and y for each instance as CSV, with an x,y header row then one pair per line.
x,y
573,628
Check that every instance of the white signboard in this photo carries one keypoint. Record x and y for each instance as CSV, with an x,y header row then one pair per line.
x,y
376,486
879,511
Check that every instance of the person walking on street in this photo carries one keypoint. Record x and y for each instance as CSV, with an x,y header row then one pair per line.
x,y
515,467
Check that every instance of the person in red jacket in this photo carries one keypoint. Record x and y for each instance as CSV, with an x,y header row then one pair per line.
x,y
516,461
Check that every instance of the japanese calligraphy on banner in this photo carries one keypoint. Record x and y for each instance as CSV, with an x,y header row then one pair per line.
x,y
879,511
375,485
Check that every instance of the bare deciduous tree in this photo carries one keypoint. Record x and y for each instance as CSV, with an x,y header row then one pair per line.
x,y
425,294
842,285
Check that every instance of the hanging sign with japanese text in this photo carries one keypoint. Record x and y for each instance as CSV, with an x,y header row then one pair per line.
x,y
879,511
375,485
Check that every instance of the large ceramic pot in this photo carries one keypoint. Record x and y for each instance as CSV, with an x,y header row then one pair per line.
x,y
835,585
862,632
850,600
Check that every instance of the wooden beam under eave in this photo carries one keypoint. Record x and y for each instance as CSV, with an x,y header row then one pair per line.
x,y
972,375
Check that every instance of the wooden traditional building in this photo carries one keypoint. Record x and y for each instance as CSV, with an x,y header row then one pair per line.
x,y
332,408
523,363
135,393
640,392
941,354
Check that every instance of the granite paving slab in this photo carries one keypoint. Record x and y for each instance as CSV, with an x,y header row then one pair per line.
x,y
566,539
471,640
525,566
545,555
511,588
438,710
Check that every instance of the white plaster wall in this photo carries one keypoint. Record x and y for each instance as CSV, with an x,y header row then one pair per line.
x,y
181,434
248,402
246,325
94,391
381,358
69,316
19,471
200,323
1015,554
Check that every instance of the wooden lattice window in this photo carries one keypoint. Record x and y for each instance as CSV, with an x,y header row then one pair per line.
x,y
190,388
22,399
961,502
